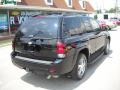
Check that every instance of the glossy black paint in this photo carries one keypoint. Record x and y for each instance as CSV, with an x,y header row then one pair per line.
x,y
91,43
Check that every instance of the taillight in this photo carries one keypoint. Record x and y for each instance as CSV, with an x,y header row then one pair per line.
x,y
60,49
13,45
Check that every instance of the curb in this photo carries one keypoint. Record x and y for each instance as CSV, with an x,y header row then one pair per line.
x,y
7,44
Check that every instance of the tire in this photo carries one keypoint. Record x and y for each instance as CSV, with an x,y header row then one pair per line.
x,y
80,67
108,27
107,47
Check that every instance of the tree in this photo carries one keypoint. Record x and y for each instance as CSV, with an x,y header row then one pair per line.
x,y
112,10
98,11
95,17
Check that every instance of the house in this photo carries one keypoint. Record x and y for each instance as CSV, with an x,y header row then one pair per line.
x,y
64,4
14,12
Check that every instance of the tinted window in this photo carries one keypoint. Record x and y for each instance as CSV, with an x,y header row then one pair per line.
x,y
87,24
72,26
46,27
95,24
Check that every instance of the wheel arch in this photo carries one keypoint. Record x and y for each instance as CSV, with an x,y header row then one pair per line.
x,y
109,38
85,51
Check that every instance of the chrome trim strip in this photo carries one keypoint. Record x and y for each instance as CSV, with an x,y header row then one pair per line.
x,y
34,60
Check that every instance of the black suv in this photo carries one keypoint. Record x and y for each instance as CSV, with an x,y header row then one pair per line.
x,y
59,44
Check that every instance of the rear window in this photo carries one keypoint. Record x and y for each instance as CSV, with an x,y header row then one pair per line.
x,y
87,24
43,27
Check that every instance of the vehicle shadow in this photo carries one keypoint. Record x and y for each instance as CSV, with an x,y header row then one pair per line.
x,y
62,83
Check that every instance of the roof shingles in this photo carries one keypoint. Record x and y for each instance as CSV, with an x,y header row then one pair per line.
x,y
58,4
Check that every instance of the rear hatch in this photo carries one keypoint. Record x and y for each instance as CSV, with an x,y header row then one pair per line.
x,y
37,38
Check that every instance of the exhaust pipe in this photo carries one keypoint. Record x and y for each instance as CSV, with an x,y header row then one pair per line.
x,y
55,76
52,76
49,77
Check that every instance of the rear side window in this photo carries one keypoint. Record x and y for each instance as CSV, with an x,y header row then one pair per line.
x,y
95,25
72,26
43,27
87,24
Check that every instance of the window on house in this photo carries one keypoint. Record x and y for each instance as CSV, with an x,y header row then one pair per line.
x,y
82,3
49,2
69,3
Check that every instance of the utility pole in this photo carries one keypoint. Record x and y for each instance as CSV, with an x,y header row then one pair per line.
x,y
103,8
116,8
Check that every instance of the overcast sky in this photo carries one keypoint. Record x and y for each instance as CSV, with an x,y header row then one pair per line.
x,y
104,4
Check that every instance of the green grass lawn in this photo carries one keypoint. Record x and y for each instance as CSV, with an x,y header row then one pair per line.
x,y
5,42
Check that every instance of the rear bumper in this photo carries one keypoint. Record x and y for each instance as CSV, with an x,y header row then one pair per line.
x,y
56,67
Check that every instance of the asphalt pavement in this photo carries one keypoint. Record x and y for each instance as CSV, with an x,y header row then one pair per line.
x,y
102,75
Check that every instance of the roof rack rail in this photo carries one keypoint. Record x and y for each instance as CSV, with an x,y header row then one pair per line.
x,y
58,13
